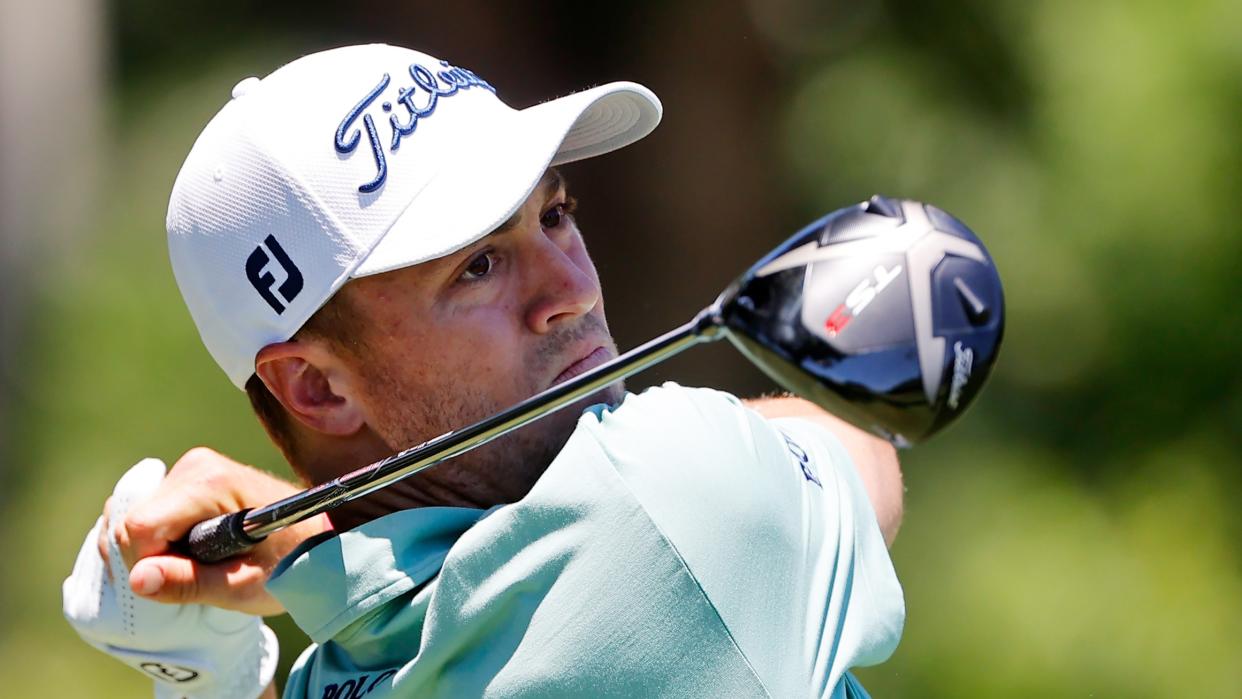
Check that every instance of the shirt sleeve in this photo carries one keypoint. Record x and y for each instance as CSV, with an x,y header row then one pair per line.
x,y
772,521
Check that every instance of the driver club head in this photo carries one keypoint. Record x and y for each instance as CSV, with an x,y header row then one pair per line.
x,y
888,313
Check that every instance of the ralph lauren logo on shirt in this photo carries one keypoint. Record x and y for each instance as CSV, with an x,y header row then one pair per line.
x,y
357,687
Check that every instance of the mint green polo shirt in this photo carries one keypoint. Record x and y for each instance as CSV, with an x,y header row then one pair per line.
x,y
680,545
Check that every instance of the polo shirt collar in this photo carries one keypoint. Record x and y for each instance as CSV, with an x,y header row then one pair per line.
x,y
332,580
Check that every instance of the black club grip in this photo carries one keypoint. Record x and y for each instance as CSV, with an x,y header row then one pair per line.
x,y
217,538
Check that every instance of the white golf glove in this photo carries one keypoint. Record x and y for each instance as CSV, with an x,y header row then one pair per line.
x,y
191,650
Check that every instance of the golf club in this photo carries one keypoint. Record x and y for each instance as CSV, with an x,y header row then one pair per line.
x,y
888,313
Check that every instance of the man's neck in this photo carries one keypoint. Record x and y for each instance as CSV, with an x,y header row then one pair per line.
x,y
462,482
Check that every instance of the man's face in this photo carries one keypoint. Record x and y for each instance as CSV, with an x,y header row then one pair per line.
x,y
451,341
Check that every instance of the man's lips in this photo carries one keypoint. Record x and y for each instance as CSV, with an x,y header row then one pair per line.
x,y
597,356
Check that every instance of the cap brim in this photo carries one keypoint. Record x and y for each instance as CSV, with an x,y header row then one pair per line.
x,y
496,167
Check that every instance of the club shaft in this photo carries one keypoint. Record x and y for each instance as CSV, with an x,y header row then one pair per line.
x,y
267,520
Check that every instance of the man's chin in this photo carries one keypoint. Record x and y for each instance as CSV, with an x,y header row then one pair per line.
x,y
612,394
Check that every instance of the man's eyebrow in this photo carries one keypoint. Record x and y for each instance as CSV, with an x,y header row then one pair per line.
x,y
552,181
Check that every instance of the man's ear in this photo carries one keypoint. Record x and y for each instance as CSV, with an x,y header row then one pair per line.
x,y
313,386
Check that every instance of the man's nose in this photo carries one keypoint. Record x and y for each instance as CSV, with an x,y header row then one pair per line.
x,y
564,289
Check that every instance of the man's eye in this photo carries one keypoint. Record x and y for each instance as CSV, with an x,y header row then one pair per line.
x,y
556,215
478,267
552,217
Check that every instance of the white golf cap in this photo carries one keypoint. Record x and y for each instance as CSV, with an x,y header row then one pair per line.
x,y
356,161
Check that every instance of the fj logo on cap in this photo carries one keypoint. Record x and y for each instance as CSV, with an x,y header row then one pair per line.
x,y
263,280
427,89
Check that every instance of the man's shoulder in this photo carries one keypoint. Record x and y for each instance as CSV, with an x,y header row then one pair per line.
x,y
699,456
769,518
672,396
700,428
670,413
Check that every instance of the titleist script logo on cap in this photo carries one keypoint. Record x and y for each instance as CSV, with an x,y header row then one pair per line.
x,y
428,88
419,101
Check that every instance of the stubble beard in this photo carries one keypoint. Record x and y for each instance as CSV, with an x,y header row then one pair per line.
x,y
502,471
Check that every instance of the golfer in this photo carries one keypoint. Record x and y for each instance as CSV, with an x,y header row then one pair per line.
x,y
378,250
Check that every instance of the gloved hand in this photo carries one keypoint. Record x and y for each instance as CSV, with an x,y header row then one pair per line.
x,y
190,650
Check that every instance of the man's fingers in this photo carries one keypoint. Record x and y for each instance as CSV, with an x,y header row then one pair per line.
x,y
235,584
136,540
154,523
201,485
191,493
147,579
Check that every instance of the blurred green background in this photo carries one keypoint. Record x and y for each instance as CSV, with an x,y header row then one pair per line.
x,y
1075,536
